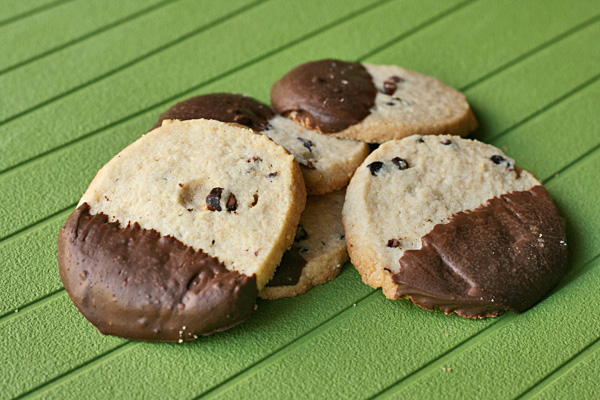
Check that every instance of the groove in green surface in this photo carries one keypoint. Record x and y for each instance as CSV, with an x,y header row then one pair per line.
x,y
15,11
54,27
576,379
531,348
55,335
103,55
112,24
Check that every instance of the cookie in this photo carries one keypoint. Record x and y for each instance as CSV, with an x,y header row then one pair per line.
x,y
327,163
453,223
372,103
319,249
178,233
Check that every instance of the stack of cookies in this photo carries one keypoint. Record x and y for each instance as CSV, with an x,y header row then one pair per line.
x,y
228,199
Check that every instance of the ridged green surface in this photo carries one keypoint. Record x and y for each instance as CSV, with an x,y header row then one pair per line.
x,y
81,80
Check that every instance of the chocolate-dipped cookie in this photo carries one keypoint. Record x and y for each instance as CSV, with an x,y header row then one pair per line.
x,y
372,103
327,163
178,233
319,249
453,223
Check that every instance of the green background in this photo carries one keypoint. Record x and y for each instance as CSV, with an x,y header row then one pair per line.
x,y
80,79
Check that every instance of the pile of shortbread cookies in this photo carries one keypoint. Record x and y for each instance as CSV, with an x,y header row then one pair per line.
x,y
228,199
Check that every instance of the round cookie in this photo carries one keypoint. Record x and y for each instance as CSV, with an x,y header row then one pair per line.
x,y
372,103
453,223
178,233
327,163
319,249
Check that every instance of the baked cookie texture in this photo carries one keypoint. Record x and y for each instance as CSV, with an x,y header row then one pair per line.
x,y
327,163
453,223
319,249
371,103
177,233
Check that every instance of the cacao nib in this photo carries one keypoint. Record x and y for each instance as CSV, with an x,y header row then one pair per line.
x,y
498,159
214,198
393,243
389,87
231,203
374,167
307,143
401,163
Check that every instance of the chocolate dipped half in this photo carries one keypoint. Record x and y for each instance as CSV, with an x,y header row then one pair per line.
x,y
371,103
327,95
453,224
178,233
138,284
224,107
504,255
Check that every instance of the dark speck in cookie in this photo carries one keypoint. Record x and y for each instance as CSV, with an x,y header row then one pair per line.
x,y
393,243
272,174
401,163
213,199
498,159
389,87
447,142
231,203
374,167
307,143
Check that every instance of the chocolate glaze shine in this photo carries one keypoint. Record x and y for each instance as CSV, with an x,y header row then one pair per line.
x,y
224,107
327,95
136,284
505,255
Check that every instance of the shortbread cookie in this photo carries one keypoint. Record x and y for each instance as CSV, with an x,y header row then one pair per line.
x,y
319,249
453,223
372,103
178,233
327,163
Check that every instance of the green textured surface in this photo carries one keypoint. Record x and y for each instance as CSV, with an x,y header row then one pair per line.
x,y
79,80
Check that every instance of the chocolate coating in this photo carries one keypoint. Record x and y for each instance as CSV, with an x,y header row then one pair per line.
x,y
224,107
136,284
505,255
327,95
289,270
